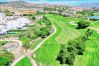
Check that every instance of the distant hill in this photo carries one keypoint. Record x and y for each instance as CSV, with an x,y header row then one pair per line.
x,y
23,4
89,5
18,4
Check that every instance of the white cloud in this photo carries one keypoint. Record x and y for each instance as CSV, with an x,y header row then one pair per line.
x,y
14,0
43,0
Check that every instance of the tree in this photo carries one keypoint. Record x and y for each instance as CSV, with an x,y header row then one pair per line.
x,y
33,17
83,24
8,13
5,57
66,55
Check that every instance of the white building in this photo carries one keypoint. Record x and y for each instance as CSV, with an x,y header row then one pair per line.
x,y
12,23
3,29
2,18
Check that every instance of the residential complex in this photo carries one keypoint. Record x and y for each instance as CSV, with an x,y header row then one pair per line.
x,y
11,23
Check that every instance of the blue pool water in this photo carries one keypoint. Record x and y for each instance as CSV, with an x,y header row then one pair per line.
x,y
93,17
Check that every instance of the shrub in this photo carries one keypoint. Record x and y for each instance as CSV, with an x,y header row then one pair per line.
x,y
5,57
83,24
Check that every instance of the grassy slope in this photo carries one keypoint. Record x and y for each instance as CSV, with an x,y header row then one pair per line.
x,y
48,52
91,55
24,62
35,43
95,24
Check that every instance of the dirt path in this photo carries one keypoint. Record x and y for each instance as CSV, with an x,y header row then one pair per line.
x,y
32,51
20,43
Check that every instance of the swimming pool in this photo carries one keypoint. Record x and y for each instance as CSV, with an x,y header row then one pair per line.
x,y
93,17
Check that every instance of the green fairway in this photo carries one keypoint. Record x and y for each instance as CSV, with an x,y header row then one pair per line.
x,y
48,52
91,55
24,62
35,43
95,24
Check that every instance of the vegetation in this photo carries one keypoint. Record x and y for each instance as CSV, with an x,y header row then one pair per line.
x,y
90,56
2,43
69,46
48,52
41,29
75,47
83,24
94,24
31,16
24,62
86,13
44,30
5,57
8,13
56,8
35,43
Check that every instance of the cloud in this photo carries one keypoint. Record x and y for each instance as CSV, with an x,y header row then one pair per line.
x,y
14,0
43,0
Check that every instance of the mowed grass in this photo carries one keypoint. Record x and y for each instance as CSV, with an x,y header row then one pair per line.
x,y
24,62
35,43
91,54
95,24
48,52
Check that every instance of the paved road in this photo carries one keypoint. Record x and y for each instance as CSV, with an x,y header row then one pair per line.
x,y
32,51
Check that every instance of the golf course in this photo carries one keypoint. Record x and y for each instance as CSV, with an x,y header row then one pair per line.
x,y
49,33
65,31
48,52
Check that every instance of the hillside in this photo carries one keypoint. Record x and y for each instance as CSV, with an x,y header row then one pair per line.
x,y
17,4
89,5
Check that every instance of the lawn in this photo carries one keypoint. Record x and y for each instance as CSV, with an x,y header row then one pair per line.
x,y
95,24
96,13
24,62
48,52
91,55
35,43
25,40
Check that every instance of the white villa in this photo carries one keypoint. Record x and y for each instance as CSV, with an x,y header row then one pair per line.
x,y
11,23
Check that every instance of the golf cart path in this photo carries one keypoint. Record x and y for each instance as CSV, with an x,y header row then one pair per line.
x,y
32,51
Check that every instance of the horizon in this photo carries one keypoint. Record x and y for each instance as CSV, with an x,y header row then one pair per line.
x,y
68,2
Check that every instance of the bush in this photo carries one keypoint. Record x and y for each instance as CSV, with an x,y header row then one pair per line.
x,y
94,19
8,13
5,57
83,24
33,17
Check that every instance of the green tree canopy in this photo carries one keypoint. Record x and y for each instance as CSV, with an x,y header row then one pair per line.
x,y
5,57
83,24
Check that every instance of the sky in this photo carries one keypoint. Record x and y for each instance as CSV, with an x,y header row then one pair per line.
x,y
70,2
